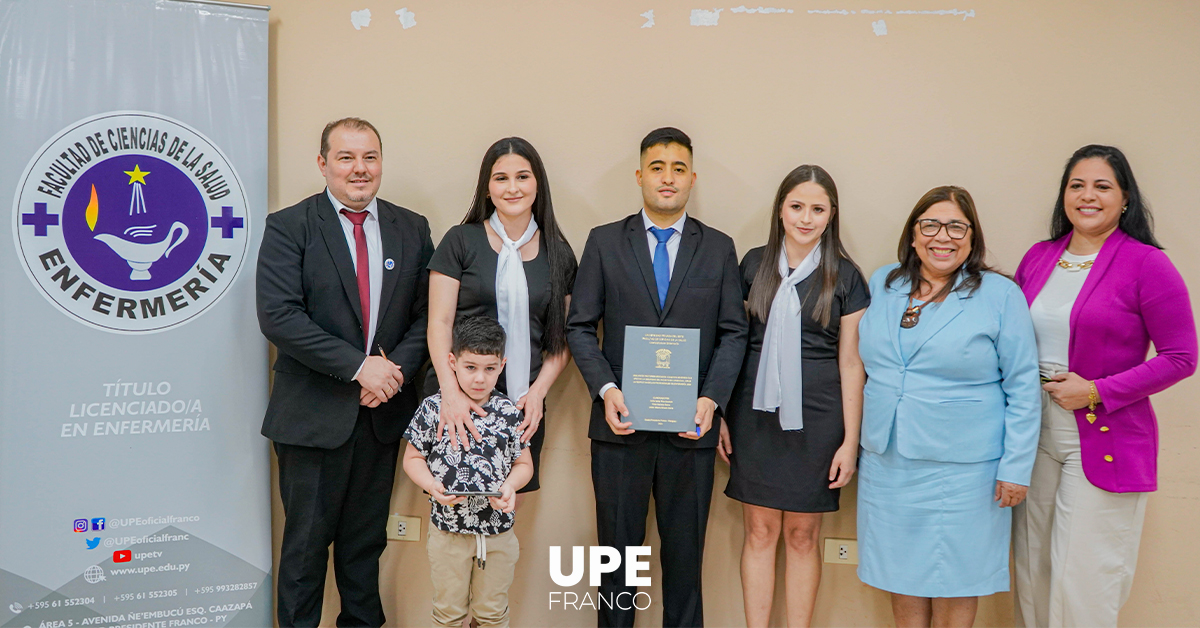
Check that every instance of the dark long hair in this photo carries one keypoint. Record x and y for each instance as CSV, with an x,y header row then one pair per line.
x,y
910,264
1136,220
553,242
767,280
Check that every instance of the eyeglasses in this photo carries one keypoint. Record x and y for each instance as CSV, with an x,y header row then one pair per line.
x,y
930,227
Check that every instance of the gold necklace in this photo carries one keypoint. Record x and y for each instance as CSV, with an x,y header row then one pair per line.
x,y
1075,266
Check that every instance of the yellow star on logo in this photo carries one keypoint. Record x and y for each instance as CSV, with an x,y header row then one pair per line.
x,y
137,175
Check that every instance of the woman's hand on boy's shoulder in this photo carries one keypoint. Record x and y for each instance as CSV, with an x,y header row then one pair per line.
x,y
532,405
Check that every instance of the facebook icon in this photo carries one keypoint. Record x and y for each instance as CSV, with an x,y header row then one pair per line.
x,y
98,523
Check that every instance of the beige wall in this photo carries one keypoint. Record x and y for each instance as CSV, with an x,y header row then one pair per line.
x,y
994,102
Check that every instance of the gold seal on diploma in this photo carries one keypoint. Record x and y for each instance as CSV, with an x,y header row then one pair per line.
x,y
664,358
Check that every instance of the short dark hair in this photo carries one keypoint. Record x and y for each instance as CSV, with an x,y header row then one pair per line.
x,y
481,335
664,136
355,124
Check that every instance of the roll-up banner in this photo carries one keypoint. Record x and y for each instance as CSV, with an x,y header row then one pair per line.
x,y
134,484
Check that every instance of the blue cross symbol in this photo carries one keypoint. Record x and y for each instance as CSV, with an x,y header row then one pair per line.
x,y
40,219
226,222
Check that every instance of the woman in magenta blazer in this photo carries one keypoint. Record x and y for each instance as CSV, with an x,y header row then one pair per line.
x,y
1100,291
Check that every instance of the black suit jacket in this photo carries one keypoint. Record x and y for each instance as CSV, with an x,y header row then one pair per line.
x,y
616,284
308,307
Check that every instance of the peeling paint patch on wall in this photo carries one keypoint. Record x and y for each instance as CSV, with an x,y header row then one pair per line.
x,y
408,19
360,19
954,12
743,9
704,17
951,12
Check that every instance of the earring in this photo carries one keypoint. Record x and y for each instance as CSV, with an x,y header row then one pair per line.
x,y
1124,208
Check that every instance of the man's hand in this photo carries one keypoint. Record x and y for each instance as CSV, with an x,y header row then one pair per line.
x,y
438,492
366,398
507,502
724,442
455,416
380,377
704,416
614,410
1009,494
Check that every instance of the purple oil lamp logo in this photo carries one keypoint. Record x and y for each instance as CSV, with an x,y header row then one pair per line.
x,y
134,228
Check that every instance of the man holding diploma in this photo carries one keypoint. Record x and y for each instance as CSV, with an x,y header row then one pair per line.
x,y
657,268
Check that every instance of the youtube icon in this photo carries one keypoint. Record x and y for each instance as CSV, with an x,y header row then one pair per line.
x,y
122,556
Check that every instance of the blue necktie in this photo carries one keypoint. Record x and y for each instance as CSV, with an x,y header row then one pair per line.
x,y
662,263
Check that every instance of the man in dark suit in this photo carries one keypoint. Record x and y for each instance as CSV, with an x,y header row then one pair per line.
x,y
657,268
343,295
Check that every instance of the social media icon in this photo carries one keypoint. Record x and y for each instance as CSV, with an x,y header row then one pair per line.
x,y
93,543
122,556
97,523
93,574
81,525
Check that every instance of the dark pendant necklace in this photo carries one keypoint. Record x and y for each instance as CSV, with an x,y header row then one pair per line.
x,y
912,314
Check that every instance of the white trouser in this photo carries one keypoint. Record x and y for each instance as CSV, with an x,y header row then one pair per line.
x,y
1075,546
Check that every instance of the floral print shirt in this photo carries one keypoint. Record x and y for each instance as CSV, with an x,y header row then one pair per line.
x,y
483,467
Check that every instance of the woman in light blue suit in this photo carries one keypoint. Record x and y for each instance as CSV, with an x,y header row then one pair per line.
x,y
950,418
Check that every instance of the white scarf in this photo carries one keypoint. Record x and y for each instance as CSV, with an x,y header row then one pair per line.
x,y
512,306
779,385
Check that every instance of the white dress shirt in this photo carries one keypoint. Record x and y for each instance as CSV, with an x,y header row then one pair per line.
x,y
672,252
672,243
374,258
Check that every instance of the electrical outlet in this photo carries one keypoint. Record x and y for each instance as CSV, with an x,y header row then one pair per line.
x,y
402,528
841,551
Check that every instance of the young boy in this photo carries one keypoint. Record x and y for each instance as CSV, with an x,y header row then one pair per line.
x,y
472,547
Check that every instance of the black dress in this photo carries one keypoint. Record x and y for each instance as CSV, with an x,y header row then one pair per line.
x,y
790,470
466,255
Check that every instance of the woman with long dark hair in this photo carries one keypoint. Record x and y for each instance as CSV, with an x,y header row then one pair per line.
x,y
1100,292
950,417
508,259
793,420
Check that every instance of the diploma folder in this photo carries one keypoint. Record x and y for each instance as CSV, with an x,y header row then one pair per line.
x,y
659,378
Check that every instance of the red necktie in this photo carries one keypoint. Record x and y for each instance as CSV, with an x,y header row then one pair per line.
x,y
363,270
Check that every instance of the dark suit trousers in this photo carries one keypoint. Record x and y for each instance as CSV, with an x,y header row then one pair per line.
x,y
681,480
339,496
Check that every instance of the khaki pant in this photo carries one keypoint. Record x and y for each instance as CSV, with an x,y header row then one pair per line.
x,y
461,587
1075,546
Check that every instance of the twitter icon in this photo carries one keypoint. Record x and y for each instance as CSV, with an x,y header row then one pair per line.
x,y
93,543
